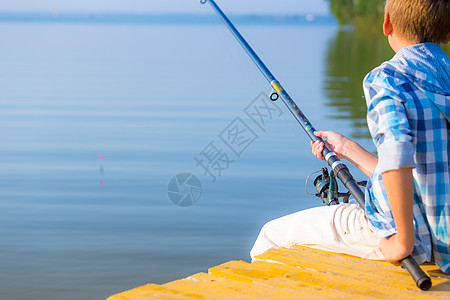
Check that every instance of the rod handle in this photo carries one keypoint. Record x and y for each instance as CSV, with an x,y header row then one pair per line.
x,y
423,281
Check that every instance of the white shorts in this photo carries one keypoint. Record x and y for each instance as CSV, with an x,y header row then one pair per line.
x,y
338,228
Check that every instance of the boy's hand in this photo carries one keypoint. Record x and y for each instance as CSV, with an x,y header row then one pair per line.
x,y
335,142
393,251
345,148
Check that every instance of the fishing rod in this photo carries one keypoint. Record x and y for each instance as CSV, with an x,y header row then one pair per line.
x,y
339,169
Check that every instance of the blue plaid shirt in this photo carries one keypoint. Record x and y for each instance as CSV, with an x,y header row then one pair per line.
x,y
408,101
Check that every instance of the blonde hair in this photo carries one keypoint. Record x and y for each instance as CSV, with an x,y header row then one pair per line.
x,y
420,20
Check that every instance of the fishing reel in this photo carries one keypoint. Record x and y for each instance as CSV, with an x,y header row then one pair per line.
x,y
327,188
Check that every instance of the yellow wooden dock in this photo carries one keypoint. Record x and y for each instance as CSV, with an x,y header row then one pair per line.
x,y
298,273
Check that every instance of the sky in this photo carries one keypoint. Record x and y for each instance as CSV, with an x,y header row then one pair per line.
x,y
169,6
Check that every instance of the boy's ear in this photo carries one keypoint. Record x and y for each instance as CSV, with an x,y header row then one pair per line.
x,y
447,39
387,25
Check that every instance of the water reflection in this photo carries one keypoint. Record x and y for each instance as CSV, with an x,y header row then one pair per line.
x,y
351,55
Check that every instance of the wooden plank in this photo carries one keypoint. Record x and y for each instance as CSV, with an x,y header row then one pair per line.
x,y
331,284
154,291
217,287
429,267
381,274
295,274
434,271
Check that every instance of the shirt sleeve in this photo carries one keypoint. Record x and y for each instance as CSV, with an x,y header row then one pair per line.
x,y
388,122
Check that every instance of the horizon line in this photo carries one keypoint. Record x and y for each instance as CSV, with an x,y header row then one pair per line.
x,y
163,18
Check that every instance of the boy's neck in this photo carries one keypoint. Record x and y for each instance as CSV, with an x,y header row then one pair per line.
x,y
397,43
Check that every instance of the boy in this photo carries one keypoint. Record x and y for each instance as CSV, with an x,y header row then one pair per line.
x,y
407,207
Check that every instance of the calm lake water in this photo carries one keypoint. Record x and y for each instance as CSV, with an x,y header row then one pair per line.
x,y
96,119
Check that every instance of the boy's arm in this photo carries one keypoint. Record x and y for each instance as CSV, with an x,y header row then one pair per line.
x,y
400,190
394,138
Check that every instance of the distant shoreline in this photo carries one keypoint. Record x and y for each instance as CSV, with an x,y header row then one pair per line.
x,y
182,19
